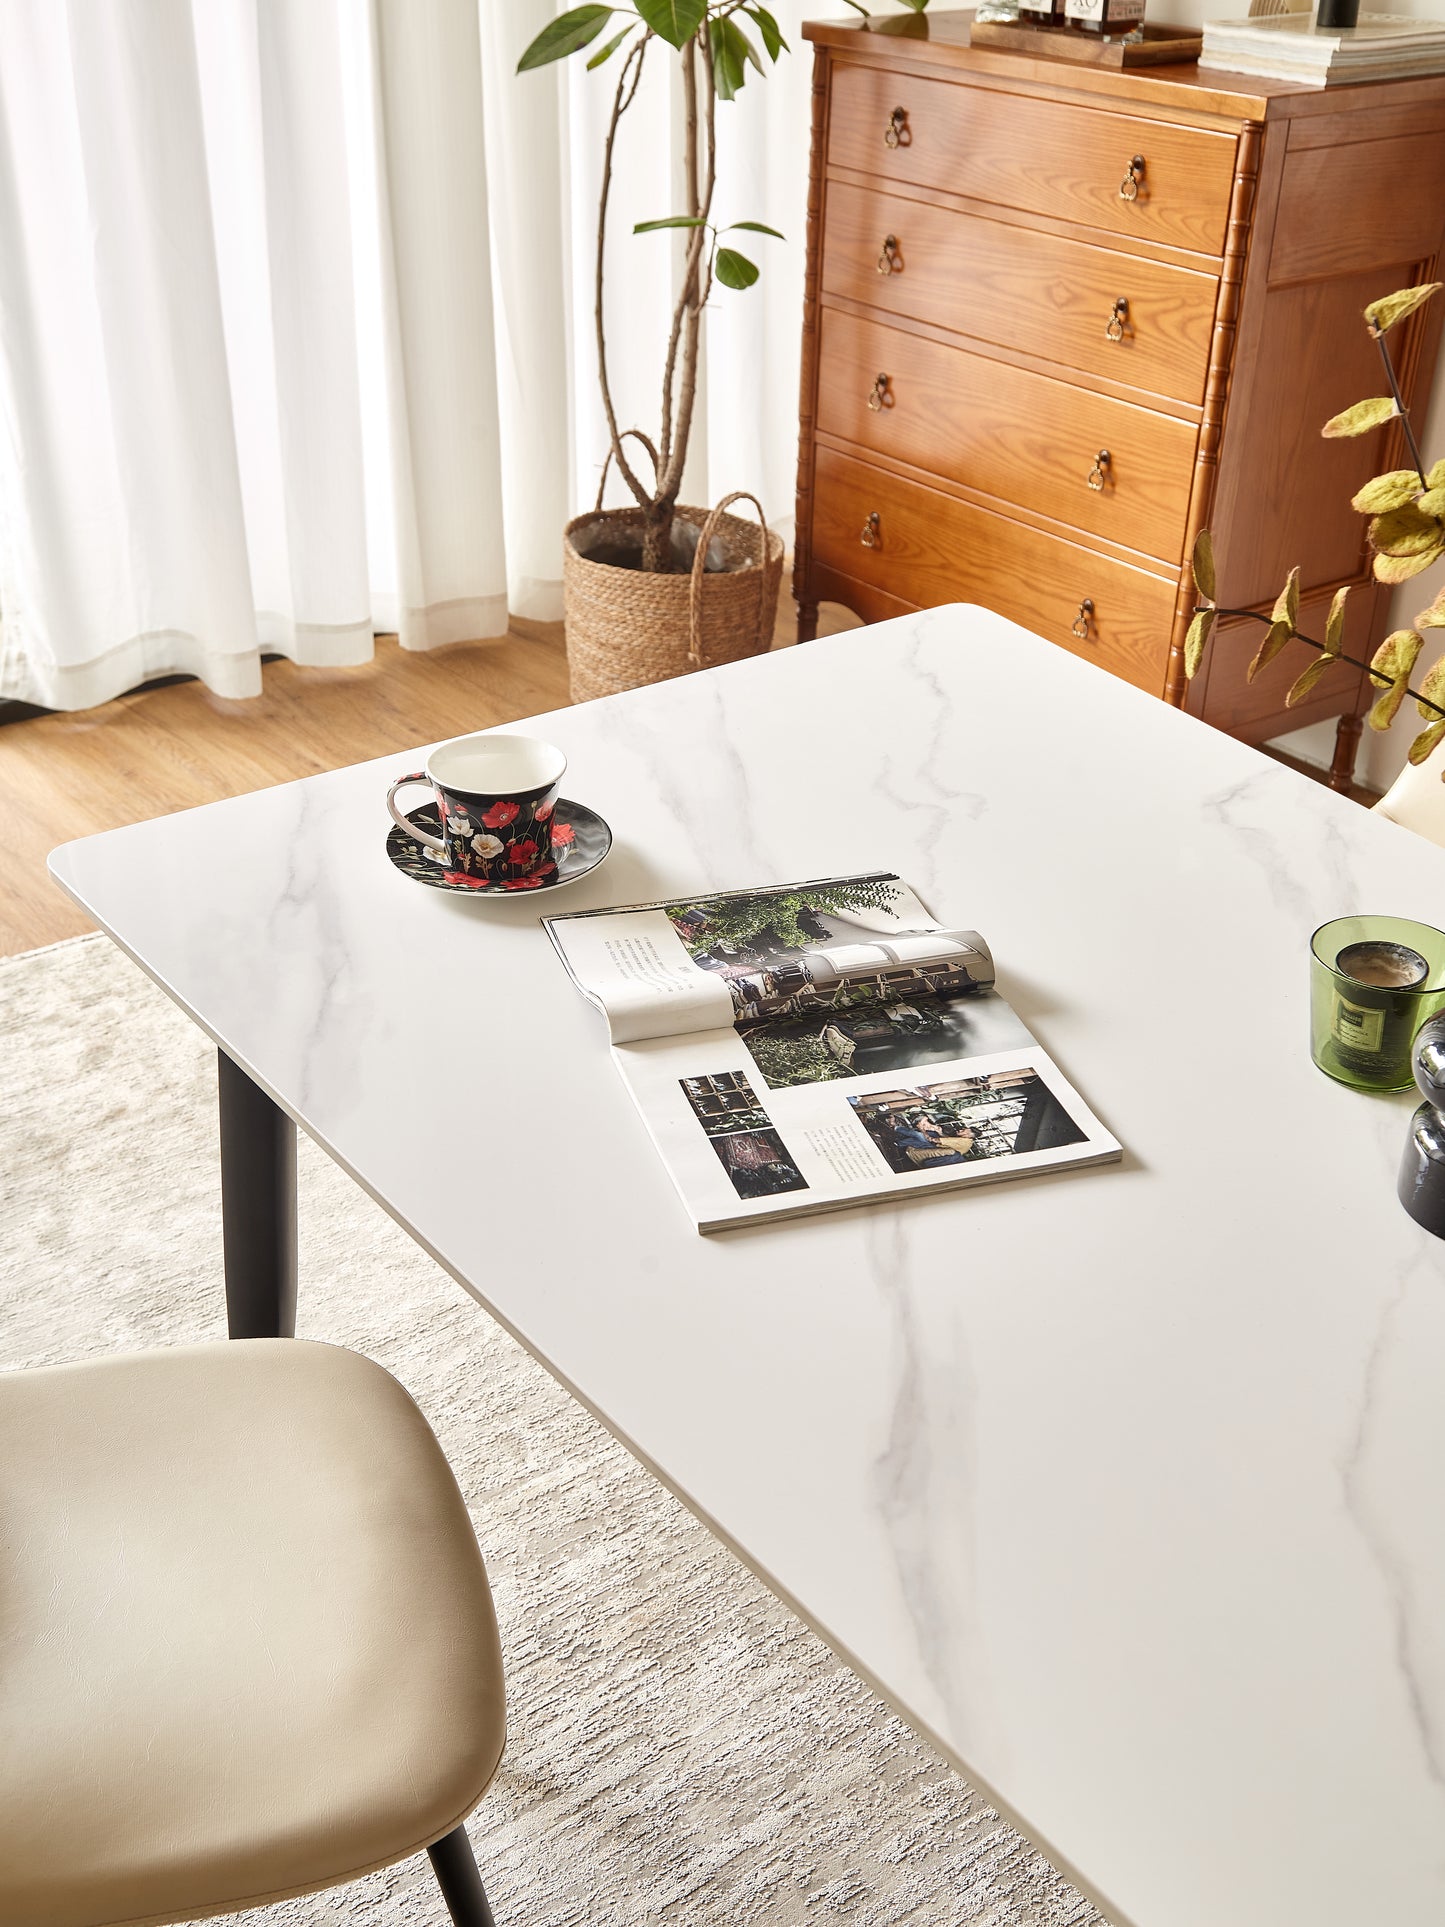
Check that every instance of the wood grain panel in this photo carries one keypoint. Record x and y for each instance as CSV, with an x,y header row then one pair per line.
x,y
1049,156
1005,432
1013,286
1350,207
933,549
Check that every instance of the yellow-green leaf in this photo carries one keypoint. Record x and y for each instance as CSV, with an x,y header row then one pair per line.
x,y
1390,491
1425,742
1396,657
1275,638
1203,564
1307,678
1431,700
1391,665
1434,616
1406,531
1335,623
1432,502
1197,639
1436,476
1360,419
1390,308
1399,568
1286,603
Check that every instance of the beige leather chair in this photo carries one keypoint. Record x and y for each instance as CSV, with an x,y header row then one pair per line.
x,y
247,1647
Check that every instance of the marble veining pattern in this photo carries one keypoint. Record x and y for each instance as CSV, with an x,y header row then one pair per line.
x,y
1125,1485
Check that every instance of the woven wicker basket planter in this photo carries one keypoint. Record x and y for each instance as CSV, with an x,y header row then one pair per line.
x,y
626,628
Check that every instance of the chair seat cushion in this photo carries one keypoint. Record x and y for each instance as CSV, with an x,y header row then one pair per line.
x,y
247,1647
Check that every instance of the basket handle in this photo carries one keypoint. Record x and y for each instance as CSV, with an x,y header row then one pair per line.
x,y
637,436
699,565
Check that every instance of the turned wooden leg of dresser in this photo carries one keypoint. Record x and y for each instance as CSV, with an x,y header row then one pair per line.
x,y
807,622
1347,741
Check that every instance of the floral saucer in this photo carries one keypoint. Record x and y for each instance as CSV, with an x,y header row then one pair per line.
x,y
580,840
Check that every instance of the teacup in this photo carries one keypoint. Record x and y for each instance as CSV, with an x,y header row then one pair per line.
x,y
495,795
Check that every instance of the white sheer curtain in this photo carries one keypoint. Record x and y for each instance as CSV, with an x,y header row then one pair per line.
x,y
295,325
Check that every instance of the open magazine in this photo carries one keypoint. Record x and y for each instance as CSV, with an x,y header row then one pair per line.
x,y
820,1044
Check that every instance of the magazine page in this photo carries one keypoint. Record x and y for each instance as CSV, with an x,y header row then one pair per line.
x,y
741,1148
694,963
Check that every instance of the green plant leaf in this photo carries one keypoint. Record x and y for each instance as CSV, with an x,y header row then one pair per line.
x,y
577,28
1335,622
754,227
1433,692
1386,492
1432,502
1276,636
1197,640
1395,657
916,6
749,51
1391,665
1399,568
858,8
1425,742
1436,476
1434,616
1286,603
674,21
1360,419
769,29
1390,308
1305,681
670,220
1406,531
734,270
729,60
607,49
1201,564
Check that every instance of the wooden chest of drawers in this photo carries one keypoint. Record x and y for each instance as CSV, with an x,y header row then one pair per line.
x,y
1058,318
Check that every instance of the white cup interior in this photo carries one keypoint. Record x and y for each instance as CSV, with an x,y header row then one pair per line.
x,y
496,765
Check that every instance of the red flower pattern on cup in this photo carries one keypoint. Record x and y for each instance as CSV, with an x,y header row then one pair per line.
x,y
460,876
562,833
532,882
519,855
500,814
543,811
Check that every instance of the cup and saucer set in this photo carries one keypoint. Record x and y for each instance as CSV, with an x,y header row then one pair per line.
x,y
496,825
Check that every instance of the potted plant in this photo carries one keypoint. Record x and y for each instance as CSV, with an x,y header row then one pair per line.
x,y
659,588
1406,508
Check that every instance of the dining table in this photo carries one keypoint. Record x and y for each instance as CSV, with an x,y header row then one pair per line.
x,y
1124,1486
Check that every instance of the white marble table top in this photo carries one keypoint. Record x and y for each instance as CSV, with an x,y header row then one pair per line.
x,y
1127,1487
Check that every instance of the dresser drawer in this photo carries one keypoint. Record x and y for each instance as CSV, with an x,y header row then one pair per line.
x,y
1007,432
1046,156
1010,286
927,549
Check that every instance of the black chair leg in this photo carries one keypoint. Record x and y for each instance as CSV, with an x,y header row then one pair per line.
x,y
456,1871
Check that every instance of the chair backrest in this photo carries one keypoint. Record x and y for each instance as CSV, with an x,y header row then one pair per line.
x,y
1416,798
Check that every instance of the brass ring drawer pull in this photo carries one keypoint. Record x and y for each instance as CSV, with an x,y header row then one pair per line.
x,y
1118,315
878,396
1129,186
888,260
1080,624
896,134
1099,473
872,536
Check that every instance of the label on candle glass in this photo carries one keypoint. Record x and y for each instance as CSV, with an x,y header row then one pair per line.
x,y
1356,1027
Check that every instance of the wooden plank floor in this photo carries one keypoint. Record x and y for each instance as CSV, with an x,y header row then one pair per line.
x,y
159,750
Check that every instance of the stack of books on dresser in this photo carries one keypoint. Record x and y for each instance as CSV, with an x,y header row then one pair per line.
x,y
1289,46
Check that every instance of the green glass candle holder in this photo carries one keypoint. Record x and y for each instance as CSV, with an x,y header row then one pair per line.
x,y
1373,982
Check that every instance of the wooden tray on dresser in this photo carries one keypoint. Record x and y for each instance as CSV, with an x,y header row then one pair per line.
x,y
1161,46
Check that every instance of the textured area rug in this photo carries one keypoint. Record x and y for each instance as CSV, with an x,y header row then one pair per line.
x,y
681,1749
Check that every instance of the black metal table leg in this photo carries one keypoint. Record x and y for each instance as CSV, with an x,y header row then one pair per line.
x,y
258,1208
456,1871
